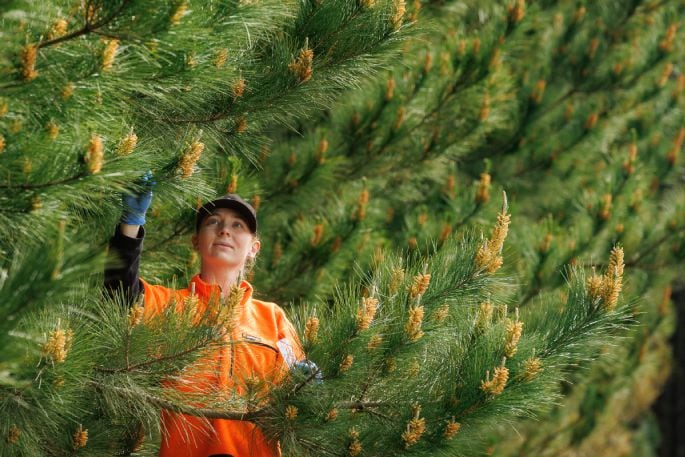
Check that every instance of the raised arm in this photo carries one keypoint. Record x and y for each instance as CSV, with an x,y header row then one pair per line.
x,y
125,247
123,261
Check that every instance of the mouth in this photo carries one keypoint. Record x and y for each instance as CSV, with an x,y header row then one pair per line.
x,y
224,245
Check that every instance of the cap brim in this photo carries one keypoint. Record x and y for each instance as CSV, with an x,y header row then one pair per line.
x,y
235,205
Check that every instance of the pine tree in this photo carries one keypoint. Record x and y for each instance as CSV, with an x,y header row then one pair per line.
x,y
383,221
631,189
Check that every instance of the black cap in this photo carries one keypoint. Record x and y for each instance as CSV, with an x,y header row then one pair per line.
x,y
230,201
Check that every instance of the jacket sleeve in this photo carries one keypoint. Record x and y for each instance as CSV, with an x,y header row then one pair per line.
x,y
121,269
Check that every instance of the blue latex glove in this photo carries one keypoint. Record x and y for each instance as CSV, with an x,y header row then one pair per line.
x,y
137,204
305,368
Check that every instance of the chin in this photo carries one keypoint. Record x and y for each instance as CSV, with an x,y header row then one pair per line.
x,y
220,262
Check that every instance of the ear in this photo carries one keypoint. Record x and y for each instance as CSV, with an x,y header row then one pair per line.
x,y
194,241
254,250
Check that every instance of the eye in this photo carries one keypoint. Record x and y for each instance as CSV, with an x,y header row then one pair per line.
x,y
238,224
212,221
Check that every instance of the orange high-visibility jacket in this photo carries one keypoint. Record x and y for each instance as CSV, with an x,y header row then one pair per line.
x,y
262,346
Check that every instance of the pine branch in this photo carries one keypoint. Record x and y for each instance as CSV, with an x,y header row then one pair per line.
x,y
87,28
209,413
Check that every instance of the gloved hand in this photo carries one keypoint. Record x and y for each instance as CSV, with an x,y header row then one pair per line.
x,y
305,369
137,204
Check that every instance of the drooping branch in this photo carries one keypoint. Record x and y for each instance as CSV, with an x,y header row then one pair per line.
x,y
210,413
207,413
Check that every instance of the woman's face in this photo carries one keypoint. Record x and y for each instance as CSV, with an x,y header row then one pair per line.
x,y
224,240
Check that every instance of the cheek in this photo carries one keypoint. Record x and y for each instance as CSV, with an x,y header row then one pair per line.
x,y
247,247
203,242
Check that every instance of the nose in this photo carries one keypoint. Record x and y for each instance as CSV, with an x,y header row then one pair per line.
x,y
223,229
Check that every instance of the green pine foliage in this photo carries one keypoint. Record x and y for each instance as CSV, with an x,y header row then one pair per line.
x,y
375,138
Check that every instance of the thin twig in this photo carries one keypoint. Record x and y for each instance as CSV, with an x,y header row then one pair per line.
x,y
360,405
317,447
45,184
650,249
214,117
136,366
303,383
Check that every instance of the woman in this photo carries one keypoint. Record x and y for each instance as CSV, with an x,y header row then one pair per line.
x,y
262,344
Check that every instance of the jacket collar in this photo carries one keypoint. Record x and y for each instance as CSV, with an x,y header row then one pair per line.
x,y
206,290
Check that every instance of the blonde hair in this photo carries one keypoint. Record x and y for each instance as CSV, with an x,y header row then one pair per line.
x,y
250,261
